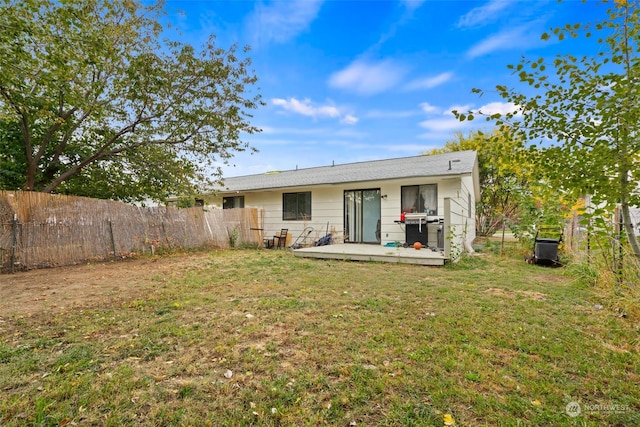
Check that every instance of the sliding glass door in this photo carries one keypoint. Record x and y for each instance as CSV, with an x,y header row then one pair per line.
x,y
362,216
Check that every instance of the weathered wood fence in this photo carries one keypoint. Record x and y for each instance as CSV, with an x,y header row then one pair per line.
x,y
42,230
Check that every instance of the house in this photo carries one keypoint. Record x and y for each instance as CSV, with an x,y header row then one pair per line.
x,y
363,202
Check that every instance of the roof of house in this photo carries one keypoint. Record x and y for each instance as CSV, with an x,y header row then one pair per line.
x,y
448,164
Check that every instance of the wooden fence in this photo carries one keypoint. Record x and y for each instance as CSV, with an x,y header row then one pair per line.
x,y
42,230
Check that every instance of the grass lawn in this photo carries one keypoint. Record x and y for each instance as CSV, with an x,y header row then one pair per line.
x,y
256,337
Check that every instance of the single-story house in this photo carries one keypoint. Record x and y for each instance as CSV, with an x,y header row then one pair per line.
x,y
365,202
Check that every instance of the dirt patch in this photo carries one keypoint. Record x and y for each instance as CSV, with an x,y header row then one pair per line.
x,y
91,285
536,296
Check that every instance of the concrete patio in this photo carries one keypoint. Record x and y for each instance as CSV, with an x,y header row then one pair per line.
x,y
359,252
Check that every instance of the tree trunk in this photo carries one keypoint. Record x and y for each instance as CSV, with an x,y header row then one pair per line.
x,y
31,177
628,228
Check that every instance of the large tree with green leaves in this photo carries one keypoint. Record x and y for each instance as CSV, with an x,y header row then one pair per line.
x,y
105,107
585,117
504,177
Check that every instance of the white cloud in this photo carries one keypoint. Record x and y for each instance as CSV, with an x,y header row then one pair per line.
x,y
429,82
509,39
483,15
443,124
306,108
497,107
410,7
428,108
368,78
349,120
444,121
459,108
412,4
281,20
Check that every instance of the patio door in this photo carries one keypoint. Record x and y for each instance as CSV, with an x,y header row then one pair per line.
x,y
362,216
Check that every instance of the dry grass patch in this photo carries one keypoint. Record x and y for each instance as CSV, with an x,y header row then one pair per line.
x,y
505,293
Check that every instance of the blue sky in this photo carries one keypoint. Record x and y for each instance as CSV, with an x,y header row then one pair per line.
x,y
350,81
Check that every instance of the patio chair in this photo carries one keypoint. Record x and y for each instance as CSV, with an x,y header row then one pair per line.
x,y
279,240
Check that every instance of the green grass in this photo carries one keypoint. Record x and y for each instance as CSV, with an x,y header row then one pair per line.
x,y
491,341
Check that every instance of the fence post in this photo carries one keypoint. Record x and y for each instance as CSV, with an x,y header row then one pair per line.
x,y
447,228
113,241
504,227
164,233
14,243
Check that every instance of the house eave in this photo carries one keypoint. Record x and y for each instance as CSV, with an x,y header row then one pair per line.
x,y
341,183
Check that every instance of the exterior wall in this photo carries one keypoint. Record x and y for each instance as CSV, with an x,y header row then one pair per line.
x,y
468,213
392,208
460,225
327,205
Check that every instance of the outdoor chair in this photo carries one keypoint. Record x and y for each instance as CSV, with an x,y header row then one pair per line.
x,y
279,240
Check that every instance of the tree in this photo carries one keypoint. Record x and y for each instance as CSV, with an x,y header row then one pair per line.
x,y
106,108
504,177
12,156
585,117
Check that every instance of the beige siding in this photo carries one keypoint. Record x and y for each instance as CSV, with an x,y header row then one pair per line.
x,y
327,206
461,223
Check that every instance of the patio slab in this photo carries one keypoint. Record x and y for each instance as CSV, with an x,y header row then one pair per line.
x,y
378,253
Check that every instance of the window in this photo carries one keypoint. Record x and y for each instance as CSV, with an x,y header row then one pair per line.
x,y
296,206
420,199
233,202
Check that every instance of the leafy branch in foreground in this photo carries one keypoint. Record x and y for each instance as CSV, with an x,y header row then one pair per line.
x,y
582,120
